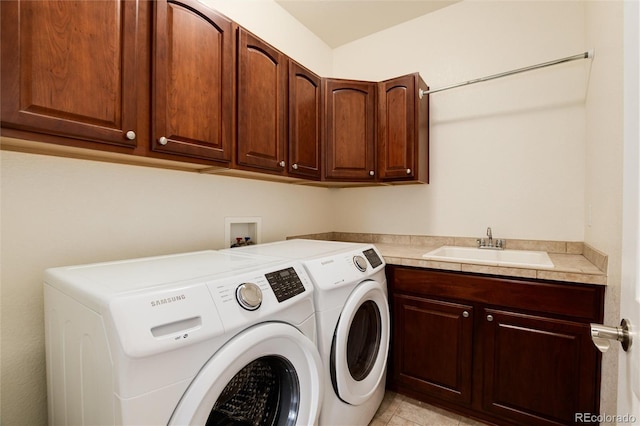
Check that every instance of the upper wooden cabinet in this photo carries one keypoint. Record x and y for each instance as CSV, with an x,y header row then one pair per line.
x,y
403,130
192,81
350,123
305,131
71,68
172,82
262,96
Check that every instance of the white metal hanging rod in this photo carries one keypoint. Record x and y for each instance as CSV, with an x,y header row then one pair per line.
x,y
585,55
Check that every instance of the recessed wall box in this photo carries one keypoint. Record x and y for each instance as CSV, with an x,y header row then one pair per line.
x,y
243,228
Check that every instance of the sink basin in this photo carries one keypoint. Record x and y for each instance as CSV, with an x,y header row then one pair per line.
x,y
521,258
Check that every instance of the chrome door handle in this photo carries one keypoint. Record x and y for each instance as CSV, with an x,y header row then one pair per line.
x,y
602,335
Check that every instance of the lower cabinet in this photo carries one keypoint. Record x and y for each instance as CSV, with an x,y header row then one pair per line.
x,y
445,370
507,351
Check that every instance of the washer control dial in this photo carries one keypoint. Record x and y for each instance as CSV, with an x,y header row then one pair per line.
x,y
249,296
360,262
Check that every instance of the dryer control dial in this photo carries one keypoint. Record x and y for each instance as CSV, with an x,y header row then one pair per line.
x,y
249,296
360,262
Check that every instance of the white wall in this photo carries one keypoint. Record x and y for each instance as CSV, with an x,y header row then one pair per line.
x,y
57,211
629,362
604,159
277,27
508,153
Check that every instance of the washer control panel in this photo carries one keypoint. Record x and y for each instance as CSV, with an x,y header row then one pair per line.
x,y
285,283
373,258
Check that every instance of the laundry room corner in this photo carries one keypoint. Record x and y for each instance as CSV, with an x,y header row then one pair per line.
x,y
60,211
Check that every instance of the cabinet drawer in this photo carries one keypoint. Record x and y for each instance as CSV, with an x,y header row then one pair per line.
x,y
579,301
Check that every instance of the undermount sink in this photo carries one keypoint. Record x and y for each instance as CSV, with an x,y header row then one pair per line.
x,y
522,258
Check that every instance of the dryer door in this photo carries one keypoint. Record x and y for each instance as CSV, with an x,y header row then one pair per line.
x,y
361,344
268,375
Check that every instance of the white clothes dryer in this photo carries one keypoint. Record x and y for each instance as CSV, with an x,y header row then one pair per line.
x,y
204,338
352,311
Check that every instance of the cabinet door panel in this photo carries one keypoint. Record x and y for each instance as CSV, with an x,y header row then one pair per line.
x,y
304,122
350,121
538,370
262,91
433,347
403,133
193,84
64,75
396,128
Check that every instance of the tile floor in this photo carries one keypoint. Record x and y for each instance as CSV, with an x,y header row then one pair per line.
x,y
400,410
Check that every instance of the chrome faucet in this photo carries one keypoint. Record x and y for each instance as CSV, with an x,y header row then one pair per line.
x,y
484,244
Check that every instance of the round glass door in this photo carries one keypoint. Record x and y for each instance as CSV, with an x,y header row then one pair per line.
x,y
361,344
266,392
266,375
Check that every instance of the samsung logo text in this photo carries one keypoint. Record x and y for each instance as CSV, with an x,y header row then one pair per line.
x,y
167,300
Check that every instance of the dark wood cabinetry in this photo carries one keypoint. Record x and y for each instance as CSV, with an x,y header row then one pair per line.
x,y
512,352
175,84
262,97
192,81
537,369
435,354
403,129
65,75
350,120
305,131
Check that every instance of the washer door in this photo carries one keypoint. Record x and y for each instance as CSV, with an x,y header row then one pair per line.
x,y
361,344
267,375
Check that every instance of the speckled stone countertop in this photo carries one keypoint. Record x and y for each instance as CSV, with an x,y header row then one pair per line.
x,y
573,261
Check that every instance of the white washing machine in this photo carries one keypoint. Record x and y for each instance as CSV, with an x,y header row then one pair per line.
x,y
190,339
353,322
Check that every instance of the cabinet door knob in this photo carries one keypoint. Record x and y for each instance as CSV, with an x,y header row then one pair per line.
x,y
294,166
163,141
131,135
465,314
371,173
489,318
282,164
408,171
